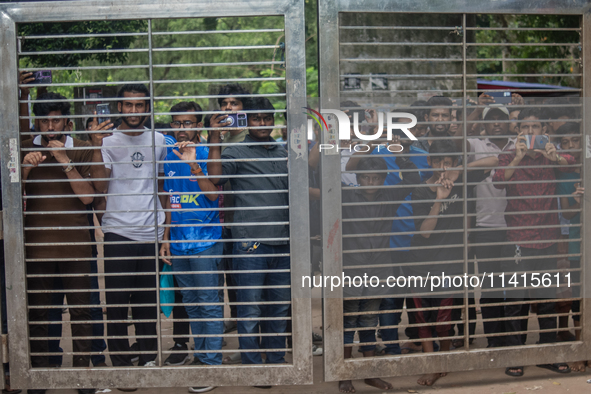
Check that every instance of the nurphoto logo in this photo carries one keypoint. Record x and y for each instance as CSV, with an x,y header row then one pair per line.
x,y
344,128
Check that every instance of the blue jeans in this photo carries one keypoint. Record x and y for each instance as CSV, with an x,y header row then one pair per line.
x,y
257,296
208,314
390,319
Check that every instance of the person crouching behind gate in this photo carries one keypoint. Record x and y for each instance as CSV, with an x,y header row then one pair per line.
x,y
364,221
63,165
186,170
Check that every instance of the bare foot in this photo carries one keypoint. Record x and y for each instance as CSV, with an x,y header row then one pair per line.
x,y
410,347
578,366
346,386
430,378
379,383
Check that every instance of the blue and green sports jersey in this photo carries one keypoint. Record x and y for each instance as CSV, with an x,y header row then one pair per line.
x,y
187,195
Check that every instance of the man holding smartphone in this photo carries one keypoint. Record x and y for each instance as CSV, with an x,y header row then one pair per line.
x,y
63,163
531,174
262,246
129,223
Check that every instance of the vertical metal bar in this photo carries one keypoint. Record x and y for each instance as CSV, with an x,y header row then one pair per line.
x,y
586,177
465,180
156,197
330,170
295,77
12,202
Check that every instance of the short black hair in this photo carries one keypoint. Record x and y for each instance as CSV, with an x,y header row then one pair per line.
x,y
439,101
88,122
419,112
233,89
260,103
188,106
134,88
531,111
443,148
58,103
569,128
377,164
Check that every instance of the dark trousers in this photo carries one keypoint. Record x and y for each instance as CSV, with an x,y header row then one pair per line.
x,y
127,282
539,264
490,314
43,298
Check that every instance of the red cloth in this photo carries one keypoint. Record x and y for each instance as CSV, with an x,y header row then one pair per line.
x,y
516,187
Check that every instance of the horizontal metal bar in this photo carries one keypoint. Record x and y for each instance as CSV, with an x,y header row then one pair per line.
x,y
167,33
405,28
218,96
522,44
402,76
522,75
84,51
90,35
260,318
64,353
397,60
82,68
220,48
410,44
521,60
525,28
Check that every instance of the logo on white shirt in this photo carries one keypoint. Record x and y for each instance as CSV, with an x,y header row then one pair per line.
x,y
137,159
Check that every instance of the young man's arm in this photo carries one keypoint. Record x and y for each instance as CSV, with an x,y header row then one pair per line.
x,y
80,188
409,179
565,200
444,187
188,154
165,248
99,171
214,168
520,150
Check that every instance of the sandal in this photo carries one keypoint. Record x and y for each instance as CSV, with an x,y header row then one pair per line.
x,y
511,373
555,367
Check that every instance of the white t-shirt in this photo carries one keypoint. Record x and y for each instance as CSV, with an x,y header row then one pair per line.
x,y
131,157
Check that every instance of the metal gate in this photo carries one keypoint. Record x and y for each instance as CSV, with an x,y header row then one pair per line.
x,y
286,55
372,54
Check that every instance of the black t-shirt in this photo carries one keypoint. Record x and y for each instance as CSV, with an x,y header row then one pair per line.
x,y
448,234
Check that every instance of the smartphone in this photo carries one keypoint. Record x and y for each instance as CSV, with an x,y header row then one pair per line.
x,y
537,141
236,120
103,109
42,76
500,97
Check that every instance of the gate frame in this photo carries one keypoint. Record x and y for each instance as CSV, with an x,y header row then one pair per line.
x,y
300,371
335,366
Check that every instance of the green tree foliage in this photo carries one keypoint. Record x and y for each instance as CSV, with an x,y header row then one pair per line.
x,y
554,45
78,44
